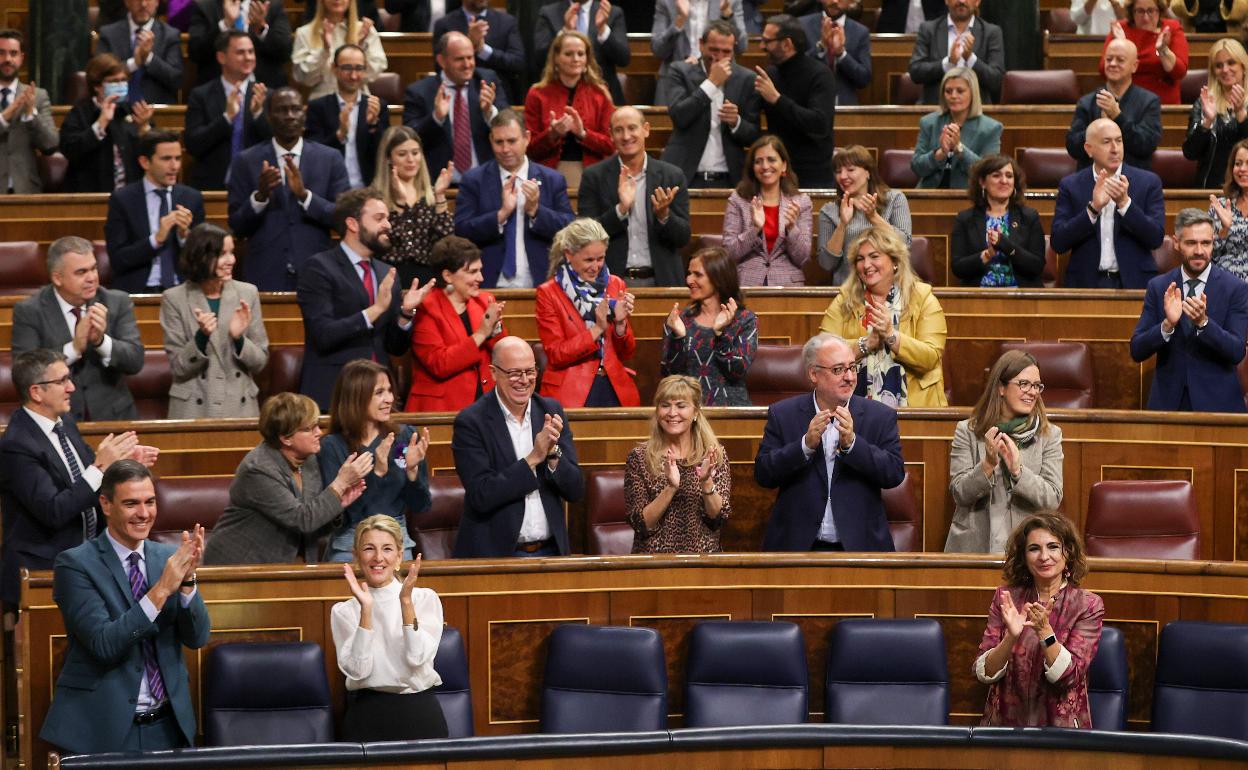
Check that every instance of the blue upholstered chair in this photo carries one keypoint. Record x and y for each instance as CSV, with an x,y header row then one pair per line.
x,y
454,694
745,673
887,672
1108,682
1201,685
266,693
604,679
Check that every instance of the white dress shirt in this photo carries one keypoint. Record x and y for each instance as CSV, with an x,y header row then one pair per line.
x,y
914,17
351,153
1109,256
390,656
281,153
534,528
1202,281
637,220
713,159
952,31
360,263
1097,22
131,64
105,348
831,444
90,474
523,279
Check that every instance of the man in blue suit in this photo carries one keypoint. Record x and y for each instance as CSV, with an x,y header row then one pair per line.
x,y
1195,320
495,36
284,208
830,453
512,208
843,44
1109,217
130,605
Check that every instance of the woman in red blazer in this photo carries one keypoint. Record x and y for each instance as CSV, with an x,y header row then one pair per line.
x,y
453,333
582,319
568,111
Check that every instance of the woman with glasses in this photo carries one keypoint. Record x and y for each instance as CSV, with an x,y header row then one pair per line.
x,y
1006,461
279,504
1161,47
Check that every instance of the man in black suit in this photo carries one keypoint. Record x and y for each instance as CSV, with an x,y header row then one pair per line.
x,y
843,44
1137,111
264,20
150,49
226,115
898,16
351,302
495,37
149,220
598,20
431,105
642,202
714,111
350,121
516,460
799,98
49,477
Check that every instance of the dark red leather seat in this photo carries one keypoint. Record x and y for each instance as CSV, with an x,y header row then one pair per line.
x,y
895,169
921,257
609,532
1065,369
435,530
150,387
22,268
1175,170
1040,87
776,373
903,90
182,502
905,521
281,373
9,402
1143,520
1044,167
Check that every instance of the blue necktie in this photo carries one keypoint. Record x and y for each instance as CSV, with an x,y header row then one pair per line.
x,y
236,128
136,79
509,237
75,473
168,275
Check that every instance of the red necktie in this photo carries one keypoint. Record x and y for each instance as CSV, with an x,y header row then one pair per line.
x,y
462,129
368,281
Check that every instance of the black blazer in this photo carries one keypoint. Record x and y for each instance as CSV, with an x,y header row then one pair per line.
x,y
414,15
322,128
611,53
91,159
496,481
508,58
1139,119
272,52
42,506
1024,245
208,134
162,75
893,14
127,232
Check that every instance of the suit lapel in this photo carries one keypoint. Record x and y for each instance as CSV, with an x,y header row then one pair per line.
x,y
54,461
115,568
351,277
818,458
979,226
55,327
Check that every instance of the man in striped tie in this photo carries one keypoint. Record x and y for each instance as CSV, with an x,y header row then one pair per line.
x,y
130,605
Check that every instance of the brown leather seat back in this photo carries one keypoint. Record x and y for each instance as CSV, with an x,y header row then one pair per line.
x,y
281,373
776,373
52,170
905,521
101,262
921,257
1175,170
1040,87
1143,520
388,87
903,90
1058,21
610,533
1044,167
435,530
1065,369
183,502
22,268
9,402
1189,87
895,169
150,387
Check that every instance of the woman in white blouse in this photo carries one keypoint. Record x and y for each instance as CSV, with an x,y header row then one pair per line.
x,y
336,22
1095,17
386,638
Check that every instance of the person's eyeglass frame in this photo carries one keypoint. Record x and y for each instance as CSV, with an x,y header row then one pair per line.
x,y
62,381
1027,386
517,375
844,369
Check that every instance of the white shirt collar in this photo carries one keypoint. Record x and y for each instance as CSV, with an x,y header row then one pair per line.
x,y
150,25
45,424
149,186
1203,277
281,152
356,259
229,87
522,172
507,415
123,553
62,303
645,161
950,26
361,94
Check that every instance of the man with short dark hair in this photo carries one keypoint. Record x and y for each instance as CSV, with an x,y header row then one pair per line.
x,y
149,220
150,49
843,44
1195,320
130,607
351,302
799,98
265,21
281,196
495,36
511,208
1137,111
352,120
25,121
226,115
92,327
958,39
48,475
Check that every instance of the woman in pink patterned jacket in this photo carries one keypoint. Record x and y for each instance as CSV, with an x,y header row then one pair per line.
x,y
767,222
1043,630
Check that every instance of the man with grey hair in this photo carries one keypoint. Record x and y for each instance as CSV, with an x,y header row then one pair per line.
x,y
92,326
1195,320
830,453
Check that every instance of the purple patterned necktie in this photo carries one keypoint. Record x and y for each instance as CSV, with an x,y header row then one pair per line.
x,y
138,587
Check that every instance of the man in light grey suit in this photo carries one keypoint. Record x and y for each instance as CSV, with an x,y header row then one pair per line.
x,y
25,121
150,49
958,39
679,26
93,327
714,112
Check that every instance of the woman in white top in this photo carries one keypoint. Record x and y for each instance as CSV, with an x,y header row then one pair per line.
x,y
336,22
1095,17
386,638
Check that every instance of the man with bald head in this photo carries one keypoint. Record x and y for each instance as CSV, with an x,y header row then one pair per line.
x,y
515,458
642,202
1137,111
1109,217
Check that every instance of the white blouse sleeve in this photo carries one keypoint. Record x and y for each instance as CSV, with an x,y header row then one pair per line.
x,y
1054,672
354,645
421,643
981,675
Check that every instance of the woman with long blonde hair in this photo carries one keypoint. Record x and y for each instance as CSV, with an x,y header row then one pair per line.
x,y
677,485
1219,118
419,217
335,23
568,111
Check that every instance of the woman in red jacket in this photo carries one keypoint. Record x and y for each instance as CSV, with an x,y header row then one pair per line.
x,y
568,111
582,319
453,333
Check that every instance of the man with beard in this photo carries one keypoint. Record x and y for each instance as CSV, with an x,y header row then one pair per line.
x,y
284,208
25,121
1137,111
351,302
958,39
843,44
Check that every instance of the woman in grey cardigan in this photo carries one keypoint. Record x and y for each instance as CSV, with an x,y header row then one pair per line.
x,y
863,200
1006,461
279,506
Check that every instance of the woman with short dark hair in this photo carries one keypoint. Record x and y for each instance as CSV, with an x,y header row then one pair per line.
x,y
999,241
100,135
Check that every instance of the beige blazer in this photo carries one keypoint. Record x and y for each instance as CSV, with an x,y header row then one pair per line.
x,y
222,382
20,139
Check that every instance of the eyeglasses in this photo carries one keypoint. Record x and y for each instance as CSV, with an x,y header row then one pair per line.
x,y
351,67
61,381
1027,386
517,375
766,41
313,428
840,370
1146,11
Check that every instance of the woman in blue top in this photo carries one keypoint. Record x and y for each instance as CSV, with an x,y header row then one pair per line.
x,y
360,411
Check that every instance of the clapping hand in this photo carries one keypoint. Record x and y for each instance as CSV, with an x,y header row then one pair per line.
x,y
361,594
366,29
486,98
1196,309
1208,106
879,317
270,178
1108,104
1008,450
1172,305
414,454
705,470
758,213
409,582
792,211
624,308
443,182
661,201
294,180
1100,190
675,322
815,430
1222,212
381,465
844,426
97,315
415,295
671,468
991,457
600,18
626,190
1014,620
207,321
724,315
442,103
1163,40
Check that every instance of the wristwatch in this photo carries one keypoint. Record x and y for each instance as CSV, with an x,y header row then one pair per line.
x,y
191,582
1050,640
556,452
1093,211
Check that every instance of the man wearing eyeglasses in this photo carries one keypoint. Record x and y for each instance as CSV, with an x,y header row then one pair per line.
x,y
351,120
49,477
515,458
830,453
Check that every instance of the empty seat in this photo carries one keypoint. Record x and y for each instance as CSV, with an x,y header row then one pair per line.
x,y
454,694
150,386
9,401
895,169
903,90
776,373
281,373
604,679
435,530
1190,85
745,673
921,257
1176,171
22,269
266,693
887,672
1201,683
388,87
1065,369
1108,682
1166,255
184,501
1050,276
905,520
75,87
609,533
1044,167
1040,87
1143,520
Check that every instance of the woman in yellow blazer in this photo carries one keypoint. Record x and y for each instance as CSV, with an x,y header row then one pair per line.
x,y
897,322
